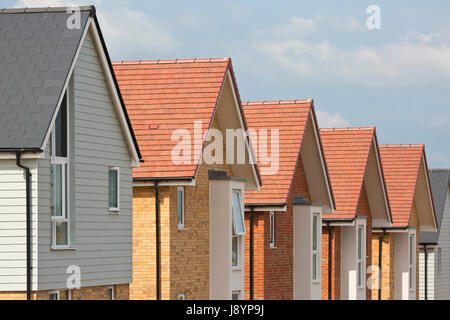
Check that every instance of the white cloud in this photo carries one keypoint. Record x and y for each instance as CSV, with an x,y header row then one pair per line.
x,y
327,120
129,34
297,26
395,64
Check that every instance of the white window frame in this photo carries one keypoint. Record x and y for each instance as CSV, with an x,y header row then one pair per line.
x,y
412,262
180,225
360,241
58,294
65,176
272,230
117,209
238,255
315,253
238,292
237,235
181,296
112,292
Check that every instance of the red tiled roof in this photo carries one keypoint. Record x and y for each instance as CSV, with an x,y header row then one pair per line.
x,y
346,152
164,95
401,165
290,118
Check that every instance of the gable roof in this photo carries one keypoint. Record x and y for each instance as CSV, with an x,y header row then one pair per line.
x,y
346,152
37,54
401,164
165,95
290,117
439,181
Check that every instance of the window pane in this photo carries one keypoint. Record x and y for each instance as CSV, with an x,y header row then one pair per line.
x,y
109,294
235,251
61,234
57,191
53,296
359,243
272,226
359,274
113,189
315,224
235,296
238,218
314,266
61,130
411,251
180,206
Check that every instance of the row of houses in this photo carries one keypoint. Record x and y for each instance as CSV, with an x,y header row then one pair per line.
x,y
153,180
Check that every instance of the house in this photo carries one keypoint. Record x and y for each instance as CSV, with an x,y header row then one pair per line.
x,y
284,218
409,191
362,204
67,151
189,194
434,252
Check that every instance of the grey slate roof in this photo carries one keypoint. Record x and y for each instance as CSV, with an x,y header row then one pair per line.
x,y
36,52
439,180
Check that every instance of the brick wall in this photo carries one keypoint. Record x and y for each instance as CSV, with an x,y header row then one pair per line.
x,y
336,263
185,255
121,292
387,265
273,267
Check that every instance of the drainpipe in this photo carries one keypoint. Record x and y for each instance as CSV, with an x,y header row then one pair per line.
x,y
426,270
28,219
252,211
380,261
330,242
158,242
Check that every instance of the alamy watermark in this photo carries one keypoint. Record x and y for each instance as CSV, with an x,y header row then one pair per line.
x,y
233,148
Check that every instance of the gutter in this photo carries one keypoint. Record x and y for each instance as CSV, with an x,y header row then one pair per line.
x,y
252,211
330,262
28,219
380,262
158,242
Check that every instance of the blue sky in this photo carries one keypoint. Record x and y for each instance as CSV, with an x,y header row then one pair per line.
x,y
396,78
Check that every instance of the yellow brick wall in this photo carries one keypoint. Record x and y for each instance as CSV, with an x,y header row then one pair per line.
x,y
184,253
387,269
143,286
121,292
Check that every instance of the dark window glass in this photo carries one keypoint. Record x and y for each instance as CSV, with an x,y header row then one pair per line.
x,y
61,130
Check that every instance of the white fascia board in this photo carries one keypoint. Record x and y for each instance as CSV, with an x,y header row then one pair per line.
x,y
181,183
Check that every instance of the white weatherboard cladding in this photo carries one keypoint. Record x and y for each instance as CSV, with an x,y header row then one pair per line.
x,y
13,254
103,242
430,271
442,278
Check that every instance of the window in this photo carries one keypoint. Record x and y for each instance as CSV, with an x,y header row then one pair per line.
x,y
439,261
412,262
235,251
53,295
238,217
60,178
181,296
361,253
238,229
60,295
114,189
180,208
236,295
315,247
110,293
272,230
